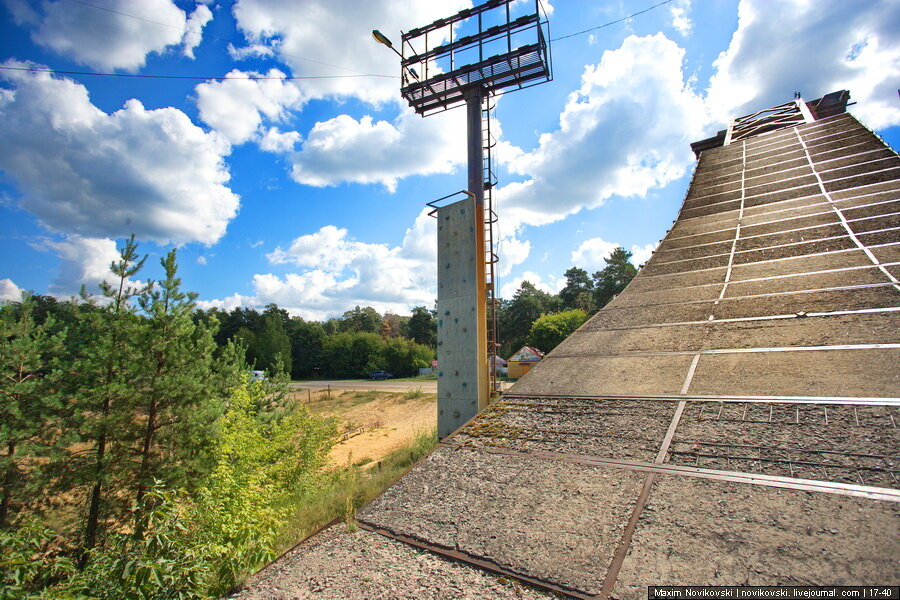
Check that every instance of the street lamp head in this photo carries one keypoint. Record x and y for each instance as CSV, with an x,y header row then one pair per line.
x,y
382,39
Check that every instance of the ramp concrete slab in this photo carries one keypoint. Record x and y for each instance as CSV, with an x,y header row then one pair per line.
x,y
851,373
811,331
703,532
573,426
553,521
606,376
823,442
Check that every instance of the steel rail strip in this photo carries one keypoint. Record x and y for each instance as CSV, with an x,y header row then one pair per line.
x,y
780,232
787,245
731,170
750,478
774,221
838,288
771,260
794,200
835,400
765,149
818,124
853,236
779,191
472,559
717,351
786,461
798,450
615,566
776,149
767,278
834,313
804,167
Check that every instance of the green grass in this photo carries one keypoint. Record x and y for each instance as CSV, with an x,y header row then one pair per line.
x,y
343,492
429,377
416,394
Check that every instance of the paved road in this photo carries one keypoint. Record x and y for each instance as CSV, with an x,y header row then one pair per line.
x,y
427,386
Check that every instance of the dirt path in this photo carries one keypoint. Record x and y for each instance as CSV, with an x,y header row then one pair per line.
x,y
389,421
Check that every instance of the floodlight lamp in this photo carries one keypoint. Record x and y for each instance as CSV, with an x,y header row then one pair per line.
x,y
382,39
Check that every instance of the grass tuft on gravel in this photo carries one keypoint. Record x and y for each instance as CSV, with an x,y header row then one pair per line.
x,y
344,491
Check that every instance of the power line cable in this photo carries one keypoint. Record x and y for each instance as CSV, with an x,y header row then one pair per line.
x,y
217,78
625,18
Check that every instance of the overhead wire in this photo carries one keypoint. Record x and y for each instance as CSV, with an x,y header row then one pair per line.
x,y
625,18
268,77
196,77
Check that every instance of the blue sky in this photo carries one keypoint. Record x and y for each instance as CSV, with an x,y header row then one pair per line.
x,y
310,193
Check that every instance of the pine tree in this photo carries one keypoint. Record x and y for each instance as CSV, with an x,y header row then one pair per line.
x,y
31,399
612,279
178,402
577,291
422,326
103,381
272,344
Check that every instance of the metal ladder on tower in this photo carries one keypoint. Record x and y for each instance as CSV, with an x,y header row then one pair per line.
x,y
490,253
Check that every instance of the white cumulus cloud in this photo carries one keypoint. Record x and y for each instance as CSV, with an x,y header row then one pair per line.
x,y
316,37
277,142
681,19
550,284
605,137
512,251
119,34
641,254
83,261
237,107
85,172
193,32
344,149
591,254
336,272
9,291
814,48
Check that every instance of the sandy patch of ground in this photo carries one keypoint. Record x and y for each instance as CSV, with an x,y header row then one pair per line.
x,y
390,421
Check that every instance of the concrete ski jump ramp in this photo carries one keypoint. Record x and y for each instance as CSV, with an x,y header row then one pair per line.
x,y
730,419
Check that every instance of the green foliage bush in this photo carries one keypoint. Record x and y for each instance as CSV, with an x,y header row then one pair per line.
x,y
31,568
263,459
549,330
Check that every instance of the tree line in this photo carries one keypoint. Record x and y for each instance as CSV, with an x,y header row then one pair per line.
x,y
543,320
362,340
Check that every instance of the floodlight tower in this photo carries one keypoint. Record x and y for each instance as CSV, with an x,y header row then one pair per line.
x,y
486,51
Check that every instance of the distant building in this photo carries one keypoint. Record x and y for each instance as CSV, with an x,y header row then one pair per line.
x,y
501,365
522,361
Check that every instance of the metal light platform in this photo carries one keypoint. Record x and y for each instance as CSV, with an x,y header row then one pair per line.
x,y
521,55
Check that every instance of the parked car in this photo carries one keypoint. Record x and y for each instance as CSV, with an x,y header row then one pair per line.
x,y
380,375
257,375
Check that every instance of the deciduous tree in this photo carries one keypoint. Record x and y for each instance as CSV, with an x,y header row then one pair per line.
x,y
549,330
